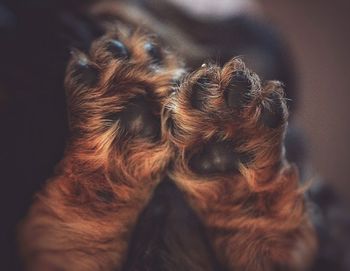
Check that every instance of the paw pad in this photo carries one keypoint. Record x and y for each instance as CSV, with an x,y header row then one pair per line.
x,y
84,73
154,52
216,157
105,196
118,49
274,115
138,119
237,93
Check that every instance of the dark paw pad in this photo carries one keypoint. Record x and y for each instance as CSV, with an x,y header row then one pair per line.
x,y
237,93
138,119
154,52
118,49
247,158
274,115
105,196
84,73
199,93
217,157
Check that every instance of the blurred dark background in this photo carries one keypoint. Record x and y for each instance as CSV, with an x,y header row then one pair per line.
x,y
305,44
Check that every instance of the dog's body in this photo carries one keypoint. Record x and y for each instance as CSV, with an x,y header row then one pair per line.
x,y
166,172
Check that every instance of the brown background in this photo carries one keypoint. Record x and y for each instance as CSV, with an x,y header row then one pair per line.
x,y
319,38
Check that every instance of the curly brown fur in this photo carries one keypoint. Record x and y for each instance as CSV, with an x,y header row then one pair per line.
x,y
228,129
83,218
222,129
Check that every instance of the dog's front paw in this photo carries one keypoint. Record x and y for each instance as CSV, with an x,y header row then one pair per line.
x,y
84,217
115,95
226,123
228,128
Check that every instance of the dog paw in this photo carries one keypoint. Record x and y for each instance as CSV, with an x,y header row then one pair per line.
x,y
226,123
228,129
115,94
